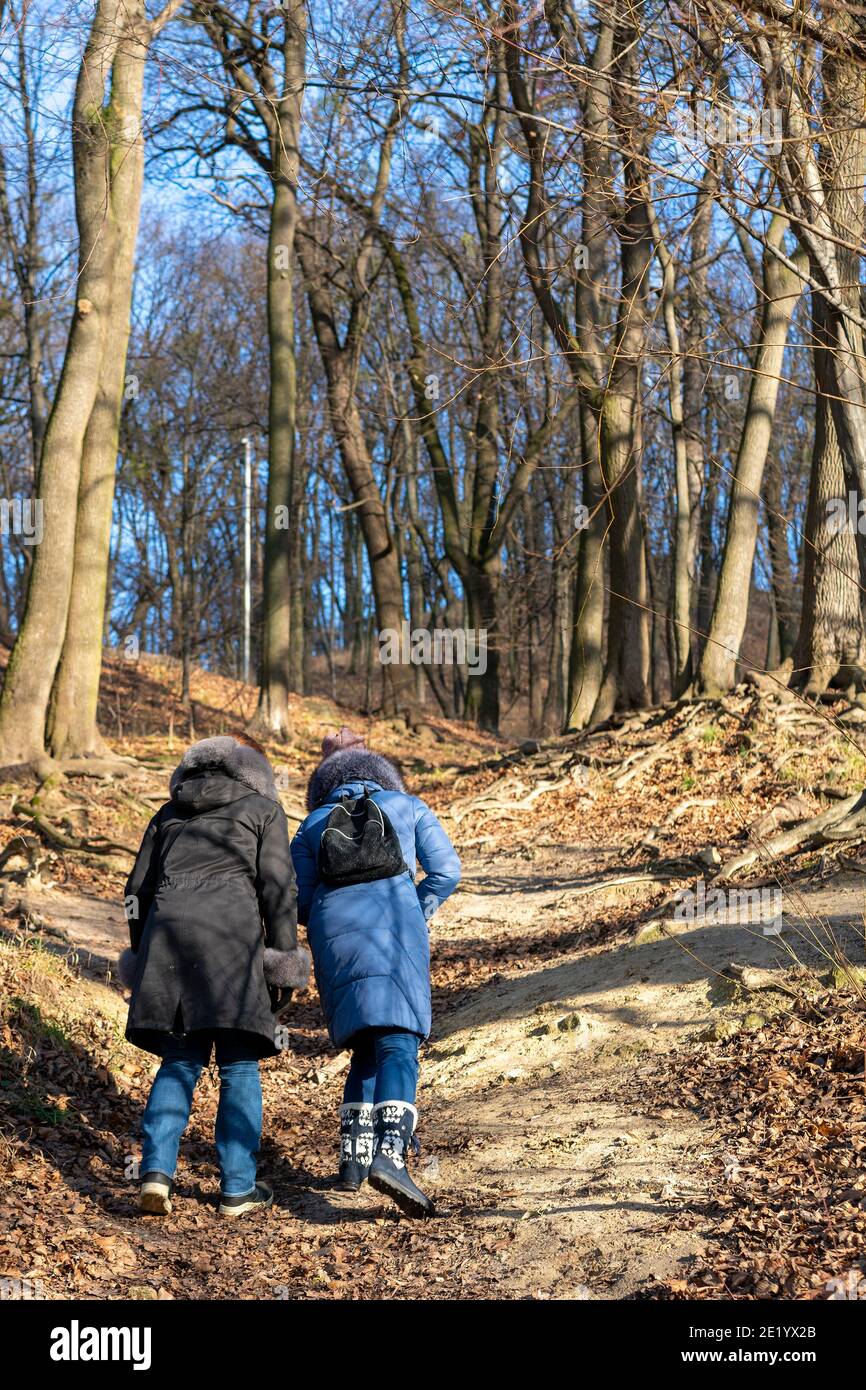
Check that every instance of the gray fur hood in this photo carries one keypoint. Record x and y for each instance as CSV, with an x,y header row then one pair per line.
x,y
235,760
351,765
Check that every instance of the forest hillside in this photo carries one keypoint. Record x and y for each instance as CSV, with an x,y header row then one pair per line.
x,y
617,1099
433,449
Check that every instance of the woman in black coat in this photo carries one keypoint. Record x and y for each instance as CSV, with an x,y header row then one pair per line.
x,y
212,911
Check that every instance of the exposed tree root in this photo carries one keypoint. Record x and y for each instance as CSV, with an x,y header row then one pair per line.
x,y
793,809
649,760
113,766
623,747
754,979
845,820
59,839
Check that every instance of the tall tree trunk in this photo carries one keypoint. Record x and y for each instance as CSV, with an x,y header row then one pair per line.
x,y
609,379
827,191
626,676
781,290
561,502
773,656
823,189
482,688
341,357
397,680
281,603
586,655
682,573
784,598
552,713
686,394
830,647
99,145
695,394
418,616
707,554
72,730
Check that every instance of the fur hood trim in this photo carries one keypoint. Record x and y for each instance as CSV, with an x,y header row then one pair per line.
x,y
236,760
351,765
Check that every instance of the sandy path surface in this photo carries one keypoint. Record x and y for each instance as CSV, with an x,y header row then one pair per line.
x,y
576,1191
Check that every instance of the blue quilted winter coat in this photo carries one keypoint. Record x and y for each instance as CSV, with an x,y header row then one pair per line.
x,y
370,944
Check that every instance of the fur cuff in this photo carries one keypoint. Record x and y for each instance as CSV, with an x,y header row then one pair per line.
x,y
126,963
287,969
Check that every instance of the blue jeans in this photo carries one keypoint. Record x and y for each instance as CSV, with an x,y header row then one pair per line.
x,y
384,1066
239,1114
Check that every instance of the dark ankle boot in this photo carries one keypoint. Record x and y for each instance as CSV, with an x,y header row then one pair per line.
x,y
261,1197
356,1144
394,1124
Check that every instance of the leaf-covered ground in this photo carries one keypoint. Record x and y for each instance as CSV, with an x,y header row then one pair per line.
x,y
788,1215
604,1113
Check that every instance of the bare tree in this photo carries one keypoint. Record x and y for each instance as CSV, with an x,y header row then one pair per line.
x,y
780,291
78,458
265,71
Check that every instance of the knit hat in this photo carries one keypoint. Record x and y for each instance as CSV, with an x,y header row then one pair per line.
x,y
336,743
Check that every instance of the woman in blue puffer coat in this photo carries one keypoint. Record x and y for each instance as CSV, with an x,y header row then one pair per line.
x,y
371,953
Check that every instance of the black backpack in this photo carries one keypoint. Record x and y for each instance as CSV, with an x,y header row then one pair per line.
x,y
359,844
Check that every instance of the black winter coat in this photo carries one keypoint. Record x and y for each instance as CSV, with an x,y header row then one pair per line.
x,y
212,904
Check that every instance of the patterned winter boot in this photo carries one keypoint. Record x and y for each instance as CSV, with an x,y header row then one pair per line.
x,y
394,1122
356,1144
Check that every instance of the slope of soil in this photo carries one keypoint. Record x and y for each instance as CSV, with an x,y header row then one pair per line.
x,y
570,1132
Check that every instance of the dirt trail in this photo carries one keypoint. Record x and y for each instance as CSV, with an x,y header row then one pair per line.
x,y
533,1066
560,1185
